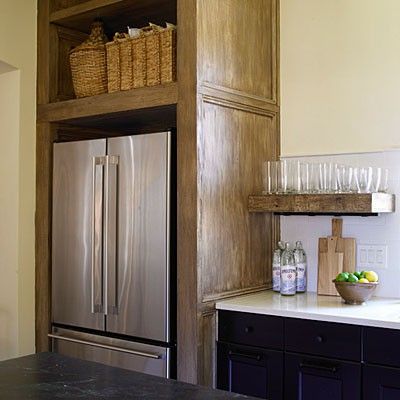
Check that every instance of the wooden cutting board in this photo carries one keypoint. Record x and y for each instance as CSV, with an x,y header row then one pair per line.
x,y
335,254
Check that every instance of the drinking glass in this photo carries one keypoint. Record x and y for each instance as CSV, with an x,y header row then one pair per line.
x,y
315,178
376,179
294,177
364,179
270,176
305,177
385,181
282,176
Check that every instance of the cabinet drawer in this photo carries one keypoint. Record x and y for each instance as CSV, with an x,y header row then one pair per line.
x,y
323,339
381,346
250,329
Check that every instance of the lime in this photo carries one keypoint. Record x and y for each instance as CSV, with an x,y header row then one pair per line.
x,y
362,274
342,277
357,274
352,278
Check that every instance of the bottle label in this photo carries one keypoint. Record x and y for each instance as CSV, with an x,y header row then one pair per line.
x,y
288,279
301,277
276,277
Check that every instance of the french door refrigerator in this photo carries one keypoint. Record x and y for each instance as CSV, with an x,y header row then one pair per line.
x,y
111,278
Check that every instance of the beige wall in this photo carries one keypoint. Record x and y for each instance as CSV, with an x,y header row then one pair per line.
x,y
17,176
340,76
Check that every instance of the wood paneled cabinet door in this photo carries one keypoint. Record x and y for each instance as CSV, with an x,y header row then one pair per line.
x,y
250,371
381,383
310,378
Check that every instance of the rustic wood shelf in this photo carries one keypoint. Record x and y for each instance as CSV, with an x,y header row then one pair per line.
x,y
350,204
116,14
104,106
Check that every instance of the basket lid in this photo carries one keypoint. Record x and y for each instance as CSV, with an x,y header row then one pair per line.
x,y
96,38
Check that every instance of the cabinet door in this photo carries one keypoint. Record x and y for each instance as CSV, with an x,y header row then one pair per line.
x,y
321,379
381,383
250,370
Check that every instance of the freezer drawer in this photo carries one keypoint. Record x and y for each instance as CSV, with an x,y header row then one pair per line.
x,y
134,356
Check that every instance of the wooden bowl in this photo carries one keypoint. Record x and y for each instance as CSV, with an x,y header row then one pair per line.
x,y
355,293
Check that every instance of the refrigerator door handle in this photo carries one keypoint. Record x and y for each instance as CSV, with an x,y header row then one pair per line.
x,y
96,274
111,234
105,346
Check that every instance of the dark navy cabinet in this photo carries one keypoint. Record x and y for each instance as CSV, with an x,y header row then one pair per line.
x,y
310,378
279,358
381,383
250,370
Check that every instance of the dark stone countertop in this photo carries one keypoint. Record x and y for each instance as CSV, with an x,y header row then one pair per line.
x,y
52,376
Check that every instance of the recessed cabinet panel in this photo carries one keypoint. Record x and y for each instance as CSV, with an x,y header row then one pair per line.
x,y
321,379
237,45
234,245
381,383
250,370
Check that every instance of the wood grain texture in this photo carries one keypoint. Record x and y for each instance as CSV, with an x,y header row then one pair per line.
x,y
330,263
109,103
238,46
354,203
116,14
188,329
235,251
44,140
43,52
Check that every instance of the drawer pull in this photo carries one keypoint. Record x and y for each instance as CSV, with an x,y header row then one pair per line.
x,y
248,329
328,368
256,357
319,339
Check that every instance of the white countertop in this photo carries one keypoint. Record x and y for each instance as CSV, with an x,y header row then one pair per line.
x,y
379,312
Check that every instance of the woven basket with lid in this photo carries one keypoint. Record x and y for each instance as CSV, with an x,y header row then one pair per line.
x,y
88,64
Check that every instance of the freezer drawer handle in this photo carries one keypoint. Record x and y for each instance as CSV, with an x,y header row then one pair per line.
x,y
104,346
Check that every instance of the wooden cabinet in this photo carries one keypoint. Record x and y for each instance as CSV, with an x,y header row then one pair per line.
x,y
321,379
250,370
225,108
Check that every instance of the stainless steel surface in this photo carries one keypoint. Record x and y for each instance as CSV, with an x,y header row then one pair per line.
x,y
72,241
97,229
137,225
104,346
111,230
105,236
110,351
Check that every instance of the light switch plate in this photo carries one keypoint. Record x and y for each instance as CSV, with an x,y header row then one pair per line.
x,y
371,256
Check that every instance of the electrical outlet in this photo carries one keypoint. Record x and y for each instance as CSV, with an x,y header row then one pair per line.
x,y
371,256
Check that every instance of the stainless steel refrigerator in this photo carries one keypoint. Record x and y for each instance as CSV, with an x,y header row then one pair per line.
x,y
112,284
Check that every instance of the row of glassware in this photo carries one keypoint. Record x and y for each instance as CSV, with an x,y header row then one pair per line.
x,y
294,176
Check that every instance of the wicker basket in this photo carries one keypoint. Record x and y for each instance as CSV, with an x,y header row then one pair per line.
x,y
153,55
88,64
168,54
148,59
115,61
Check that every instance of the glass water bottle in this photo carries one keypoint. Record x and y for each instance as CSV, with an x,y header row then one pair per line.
x,y
276,271
300,259
288,272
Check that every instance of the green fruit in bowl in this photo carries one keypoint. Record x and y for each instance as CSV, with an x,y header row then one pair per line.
x,y
357,274
342,277
352,278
